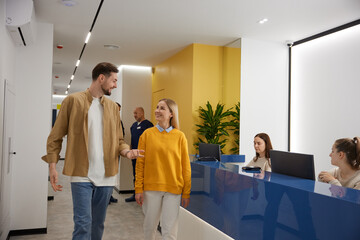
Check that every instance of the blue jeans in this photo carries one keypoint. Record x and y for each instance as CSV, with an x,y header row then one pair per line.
x,y
89,206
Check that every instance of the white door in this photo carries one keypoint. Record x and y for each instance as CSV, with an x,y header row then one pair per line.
x,y
6,159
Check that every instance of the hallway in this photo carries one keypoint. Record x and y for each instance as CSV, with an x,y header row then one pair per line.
x,y
123,221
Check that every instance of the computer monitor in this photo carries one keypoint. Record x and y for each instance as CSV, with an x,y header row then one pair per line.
x,y
293,164
209,152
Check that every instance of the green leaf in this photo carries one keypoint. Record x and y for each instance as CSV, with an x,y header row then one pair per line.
x,y
215,123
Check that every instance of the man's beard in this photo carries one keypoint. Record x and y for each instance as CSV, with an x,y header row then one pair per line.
x,y
106,92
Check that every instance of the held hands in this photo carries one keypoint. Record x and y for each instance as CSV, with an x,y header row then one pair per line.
x,y
325,177
134,153
139,197
54,177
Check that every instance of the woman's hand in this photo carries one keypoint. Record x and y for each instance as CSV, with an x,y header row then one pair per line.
x,y
325,177
185,202
139,197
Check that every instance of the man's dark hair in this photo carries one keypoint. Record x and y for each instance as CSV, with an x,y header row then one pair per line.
x,y
104,68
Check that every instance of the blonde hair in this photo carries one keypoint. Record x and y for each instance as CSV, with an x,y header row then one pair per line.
x,y
173,107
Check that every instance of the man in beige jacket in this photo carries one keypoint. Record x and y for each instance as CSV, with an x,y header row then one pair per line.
x,y
94,142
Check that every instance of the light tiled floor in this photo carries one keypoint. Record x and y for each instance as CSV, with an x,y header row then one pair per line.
x,y
123,221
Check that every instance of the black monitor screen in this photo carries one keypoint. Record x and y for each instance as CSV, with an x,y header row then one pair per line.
x,y
292,164
209,152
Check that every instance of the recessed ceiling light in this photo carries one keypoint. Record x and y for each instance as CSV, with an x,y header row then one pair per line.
x,y
262,21
134,67
68,3
111,46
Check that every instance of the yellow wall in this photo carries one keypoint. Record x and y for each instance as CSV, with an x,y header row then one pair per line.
x,y
173,79
194,76
231,76
207,79
231,85
207,83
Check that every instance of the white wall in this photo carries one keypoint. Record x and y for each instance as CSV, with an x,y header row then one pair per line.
x,y
7,69
57,99
264,94
7,59
133,90
325,94
32,126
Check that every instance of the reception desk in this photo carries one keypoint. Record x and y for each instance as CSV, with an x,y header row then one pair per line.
x,y
246,205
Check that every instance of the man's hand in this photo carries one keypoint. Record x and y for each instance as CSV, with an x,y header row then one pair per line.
x,y
54,177
133,153
139,197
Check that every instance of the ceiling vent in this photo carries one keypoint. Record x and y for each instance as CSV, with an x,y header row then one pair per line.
x,y
20,21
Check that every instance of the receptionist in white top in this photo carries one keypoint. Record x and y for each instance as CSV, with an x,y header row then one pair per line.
x,y
262,145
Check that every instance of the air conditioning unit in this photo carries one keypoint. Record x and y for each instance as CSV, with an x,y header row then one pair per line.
x,y
21,22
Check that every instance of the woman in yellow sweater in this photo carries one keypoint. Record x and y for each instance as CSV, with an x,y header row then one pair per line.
x,y
163,175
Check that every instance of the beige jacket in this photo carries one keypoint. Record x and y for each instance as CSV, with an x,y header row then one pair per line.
x,y
72,121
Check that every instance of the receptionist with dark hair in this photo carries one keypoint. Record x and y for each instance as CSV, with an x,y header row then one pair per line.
x,y
262,146
345,154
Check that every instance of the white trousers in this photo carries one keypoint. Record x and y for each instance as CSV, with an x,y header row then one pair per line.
x,y
161,206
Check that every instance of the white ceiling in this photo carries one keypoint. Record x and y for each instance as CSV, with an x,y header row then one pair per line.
x,y
150,31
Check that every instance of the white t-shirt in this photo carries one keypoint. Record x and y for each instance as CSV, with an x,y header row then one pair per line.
x,y
96,173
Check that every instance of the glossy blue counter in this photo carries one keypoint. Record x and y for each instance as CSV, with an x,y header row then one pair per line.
x,y
272,206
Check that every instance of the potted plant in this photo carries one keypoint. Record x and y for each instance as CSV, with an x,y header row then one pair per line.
x,y
234,125
214,126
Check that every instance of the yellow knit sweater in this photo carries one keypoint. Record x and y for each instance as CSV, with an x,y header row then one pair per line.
x,y
165,165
